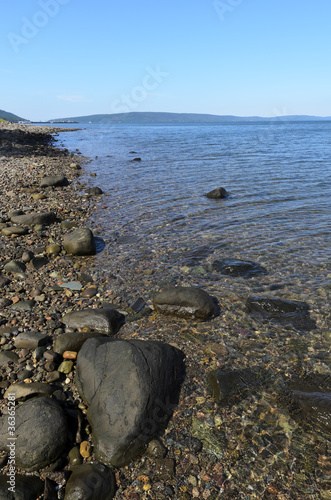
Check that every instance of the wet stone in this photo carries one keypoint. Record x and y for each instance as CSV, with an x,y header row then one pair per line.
x,y
74,456
30,340
7,356
25,390
26,488
217,193
33,219
39,262
235,267
15,266
91,482
4,281
54,180
41,431
19,230
72,341
186,302
90,292
107,321
80,242
23,305
287,312
4,302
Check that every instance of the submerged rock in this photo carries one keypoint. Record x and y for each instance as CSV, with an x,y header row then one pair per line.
x,y
236,267
228,383
315,407
185,302
95,191
131,388
283,311
218,193
91,482
107,321
41,433
80,242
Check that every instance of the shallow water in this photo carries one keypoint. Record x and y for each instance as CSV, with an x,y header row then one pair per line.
x,y
278,176
159,228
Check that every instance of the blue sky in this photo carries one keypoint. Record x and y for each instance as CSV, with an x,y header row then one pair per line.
x,y
62,58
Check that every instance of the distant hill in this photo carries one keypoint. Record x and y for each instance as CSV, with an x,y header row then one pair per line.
x,y
10,117
154,117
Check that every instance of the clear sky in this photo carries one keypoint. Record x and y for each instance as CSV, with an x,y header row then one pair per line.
x,y
62,58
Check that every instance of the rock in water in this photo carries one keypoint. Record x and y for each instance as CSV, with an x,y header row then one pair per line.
x,y
235,267
218,193
131,387
186,302
40,431
107,321
80,242
286,312
91,482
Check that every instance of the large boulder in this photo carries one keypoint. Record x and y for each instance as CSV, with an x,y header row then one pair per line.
x,y
80,242
40,432
91,482
286,312
185,302
107,321
33,219
131,388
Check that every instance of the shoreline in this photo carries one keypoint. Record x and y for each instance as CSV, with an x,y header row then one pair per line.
x,y
191,473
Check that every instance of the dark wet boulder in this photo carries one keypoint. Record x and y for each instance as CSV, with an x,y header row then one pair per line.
x,y
91,482
185,302
79,242
218,193
107,321
236,267
94,191
286,312
20,487
33,219
40,431
131,387
54,180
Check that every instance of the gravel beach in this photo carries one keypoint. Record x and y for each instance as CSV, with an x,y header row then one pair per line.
x,y
252,416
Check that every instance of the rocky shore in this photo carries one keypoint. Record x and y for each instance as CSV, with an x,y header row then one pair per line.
x,y
120,386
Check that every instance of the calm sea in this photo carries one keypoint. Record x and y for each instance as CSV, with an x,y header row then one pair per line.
x,y
278,175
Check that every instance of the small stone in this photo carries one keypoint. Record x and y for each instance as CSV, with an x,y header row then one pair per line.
x,y
89,292
70,355
85,449
15,266
6,357
53,377
65,367
52,249
71,285
24,390
38,196
217,193
74,456
156,449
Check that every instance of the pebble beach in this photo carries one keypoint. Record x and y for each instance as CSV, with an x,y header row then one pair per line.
x,y
253,415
